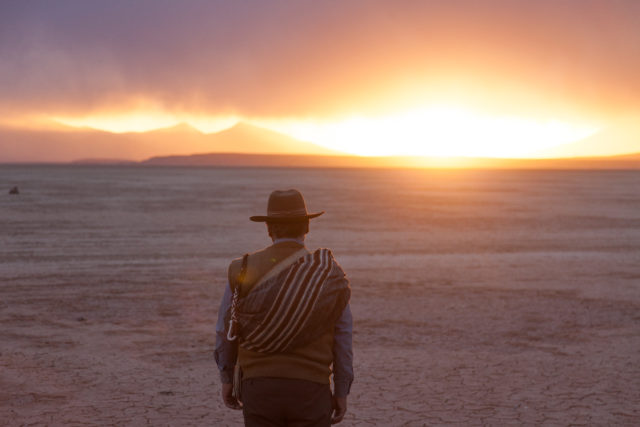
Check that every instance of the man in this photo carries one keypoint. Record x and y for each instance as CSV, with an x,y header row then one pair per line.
x,y
289,310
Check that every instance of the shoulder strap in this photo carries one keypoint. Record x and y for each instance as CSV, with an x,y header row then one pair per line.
x,y
243,272
233,320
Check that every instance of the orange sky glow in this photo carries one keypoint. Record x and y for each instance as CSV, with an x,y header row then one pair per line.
x,y
436,131
461,78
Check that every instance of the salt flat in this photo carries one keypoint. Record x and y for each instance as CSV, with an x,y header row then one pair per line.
x,y
479,297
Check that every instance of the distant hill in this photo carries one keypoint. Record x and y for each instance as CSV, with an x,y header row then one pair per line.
x,y
244,138
241,145
103,162
258,160
66,144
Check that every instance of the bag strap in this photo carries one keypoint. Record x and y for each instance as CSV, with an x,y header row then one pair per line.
x,y
243,272
233,320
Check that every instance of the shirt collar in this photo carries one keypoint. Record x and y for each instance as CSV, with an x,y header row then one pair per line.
x,y
288,239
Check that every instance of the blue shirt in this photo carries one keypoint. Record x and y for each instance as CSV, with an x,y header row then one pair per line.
x,y
226,351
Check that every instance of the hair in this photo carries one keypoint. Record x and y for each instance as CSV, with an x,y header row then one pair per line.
x,y
279,230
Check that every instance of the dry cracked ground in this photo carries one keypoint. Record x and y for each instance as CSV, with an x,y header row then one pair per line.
x,y
125,352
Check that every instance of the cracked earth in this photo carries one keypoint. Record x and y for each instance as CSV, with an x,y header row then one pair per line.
x,y
131,353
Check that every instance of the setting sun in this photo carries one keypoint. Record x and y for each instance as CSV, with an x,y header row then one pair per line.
x,y
438,131
415,84
432,132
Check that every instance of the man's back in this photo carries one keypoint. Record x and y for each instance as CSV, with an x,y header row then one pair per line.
x,y
311,362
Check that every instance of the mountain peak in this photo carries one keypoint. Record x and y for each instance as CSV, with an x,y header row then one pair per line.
x,y
181,127
245,127
245,137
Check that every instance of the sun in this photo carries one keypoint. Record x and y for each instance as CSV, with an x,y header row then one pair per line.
x,y
438,132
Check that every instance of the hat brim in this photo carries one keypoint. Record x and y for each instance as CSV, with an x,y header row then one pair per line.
x,y
262,218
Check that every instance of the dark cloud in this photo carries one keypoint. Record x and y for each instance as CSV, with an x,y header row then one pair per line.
x,y
308,57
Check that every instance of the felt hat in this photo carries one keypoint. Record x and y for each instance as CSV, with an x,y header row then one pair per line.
x,y
286,206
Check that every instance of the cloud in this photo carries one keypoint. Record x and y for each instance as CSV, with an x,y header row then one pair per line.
x,y
306,58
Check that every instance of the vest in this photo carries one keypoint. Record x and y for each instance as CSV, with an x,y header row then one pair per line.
x,y
311,362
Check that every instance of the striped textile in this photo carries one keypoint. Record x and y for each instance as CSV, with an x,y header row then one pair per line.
x,y
295,306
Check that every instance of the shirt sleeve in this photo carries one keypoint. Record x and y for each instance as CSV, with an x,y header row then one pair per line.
x,y
343,354
226,351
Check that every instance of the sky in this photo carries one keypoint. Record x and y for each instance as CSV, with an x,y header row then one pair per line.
x,y
500,78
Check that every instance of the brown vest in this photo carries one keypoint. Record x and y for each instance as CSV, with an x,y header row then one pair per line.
x,y
311,362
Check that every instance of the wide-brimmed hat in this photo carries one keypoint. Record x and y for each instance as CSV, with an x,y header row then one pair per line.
x,y
286,206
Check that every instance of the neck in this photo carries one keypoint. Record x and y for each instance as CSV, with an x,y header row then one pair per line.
x,y
299,239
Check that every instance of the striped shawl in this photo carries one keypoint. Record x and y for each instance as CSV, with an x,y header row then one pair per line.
x,y
293,307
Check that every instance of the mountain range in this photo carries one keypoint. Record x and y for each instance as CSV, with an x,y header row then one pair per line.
x,y
322,161
247,145
65,144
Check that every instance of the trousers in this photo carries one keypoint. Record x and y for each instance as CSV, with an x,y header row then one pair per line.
x,y
285,402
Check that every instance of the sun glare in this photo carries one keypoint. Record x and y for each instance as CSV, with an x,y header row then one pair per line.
x,y
431,132
439,132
